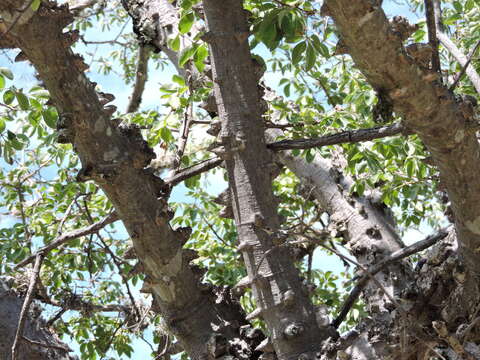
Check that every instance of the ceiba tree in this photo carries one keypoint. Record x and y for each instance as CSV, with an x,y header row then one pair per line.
x,y
304,171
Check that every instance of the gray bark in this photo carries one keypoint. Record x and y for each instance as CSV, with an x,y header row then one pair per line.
x,y
115,157
48,345
428,108
278,291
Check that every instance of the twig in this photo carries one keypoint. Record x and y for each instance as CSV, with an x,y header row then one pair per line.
x,y
38,343
214,231
453,49
182,141
193,170
141,76
69,236
116,262
65,216
363,268
113,337
396,256
26,304
464,68
342,137
57,316
432,34
21,200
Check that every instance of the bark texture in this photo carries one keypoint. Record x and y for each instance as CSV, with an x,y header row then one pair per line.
x,y
10,307
116,157
443,122
281,299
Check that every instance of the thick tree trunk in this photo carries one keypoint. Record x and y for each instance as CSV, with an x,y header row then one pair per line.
x,y
282,300
445,124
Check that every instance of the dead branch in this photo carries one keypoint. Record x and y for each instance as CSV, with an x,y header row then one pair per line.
x,y
352,136
396,256
193,170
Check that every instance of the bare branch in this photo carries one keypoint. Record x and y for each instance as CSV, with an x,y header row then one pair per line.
x,y
459,76
26,304
69,236
52,346
352,136
396,256
140,79
454,50
192,171
432,35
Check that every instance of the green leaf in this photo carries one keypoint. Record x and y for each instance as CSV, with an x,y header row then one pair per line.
x,y
458,6
165,134
3,125
186,22
6,72
186,54
178,79
200,55
22,100
2,82
174,43
8,97
13,141
35,4
298,51
320,46
50,117
311,58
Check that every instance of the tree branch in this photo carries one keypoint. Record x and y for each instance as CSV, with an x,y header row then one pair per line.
x,y
26,304
432,35
428,108
352,136
396,256
193,170
454,50
69,236
459,76
141,77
